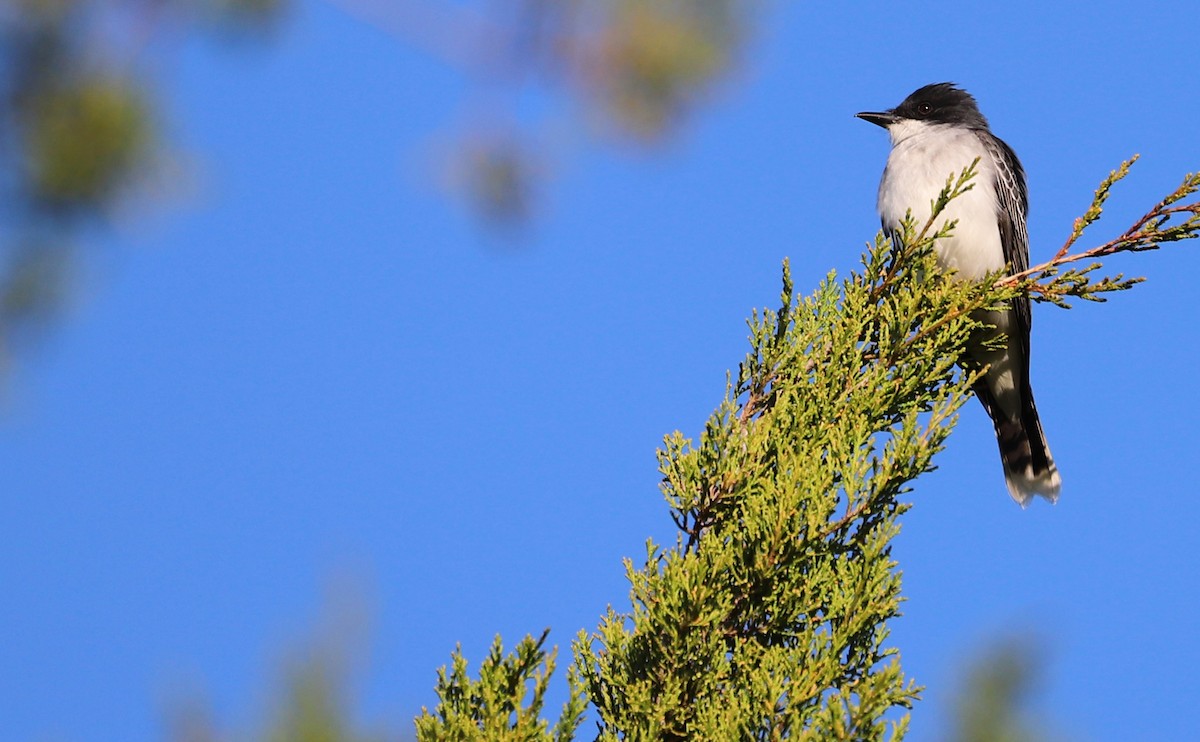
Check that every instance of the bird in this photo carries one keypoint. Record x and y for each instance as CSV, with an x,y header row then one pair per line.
x,y
935,133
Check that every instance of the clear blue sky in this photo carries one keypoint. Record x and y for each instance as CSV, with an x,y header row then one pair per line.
x,y
314,364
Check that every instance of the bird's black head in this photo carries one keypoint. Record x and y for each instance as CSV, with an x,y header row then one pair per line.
x,y
940,103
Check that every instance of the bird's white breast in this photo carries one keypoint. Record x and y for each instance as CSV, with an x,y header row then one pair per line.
x,y
923,156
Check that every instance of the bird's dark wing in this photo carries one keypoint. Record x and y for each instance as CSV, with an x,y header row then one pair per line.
x,y
1022,445
1012,201
1012,208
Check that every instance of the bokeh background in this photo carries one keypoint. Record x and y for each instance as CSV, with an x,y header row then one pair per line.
x,y
366,325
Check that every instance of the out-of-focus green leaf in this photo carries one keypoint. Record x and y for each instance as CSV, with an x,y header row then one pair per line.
x,y
85,140
991,705
657,58
245,15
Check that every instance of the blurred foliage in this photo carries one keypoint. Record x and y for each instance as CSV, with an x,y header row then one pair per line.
x,y
654,59
80,125
314,697
499,177
84,139
78,130
243,15
990,707
637,67
629,71
313,707
32,287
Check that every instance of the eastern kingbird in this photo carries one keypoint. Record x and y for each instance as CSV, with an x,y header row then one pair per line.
x,y
936,132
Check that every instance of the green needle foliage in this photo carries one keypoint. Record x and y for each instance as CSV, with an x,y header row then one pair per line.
x,y
494,707
1172,219
768,617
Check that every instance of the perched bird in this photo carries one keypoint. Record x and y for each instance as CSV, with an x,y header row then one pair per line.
x,y
936,133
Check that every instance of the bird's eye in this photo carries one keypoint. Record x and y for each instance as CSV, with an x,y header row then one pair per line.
x,y
924,108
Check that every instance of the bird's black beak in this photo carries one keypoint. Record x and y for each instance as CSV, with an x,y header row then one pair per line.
x,y
880,118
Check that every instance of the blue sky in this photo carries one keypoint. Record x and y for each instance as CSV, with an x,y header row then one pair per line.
x,y
310,367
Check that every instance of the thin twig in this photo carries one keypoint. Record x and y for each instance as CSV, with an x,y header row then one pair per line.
x,y
1146,233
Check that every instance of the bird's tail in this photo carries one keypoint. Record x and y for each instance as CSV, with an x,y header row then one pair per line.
x,y
1029,468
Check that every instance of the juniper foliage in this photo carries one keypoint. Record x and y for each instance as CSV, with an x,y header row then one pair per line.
x,y
768,617
495,707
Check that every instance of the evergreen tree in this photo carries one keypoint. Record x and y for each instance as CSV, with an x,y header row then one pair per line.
x,y
768,617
